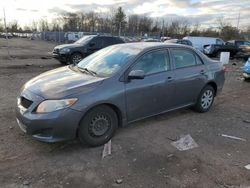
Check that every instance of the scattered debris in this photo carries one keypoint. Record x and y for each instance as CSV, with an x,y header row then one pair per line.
x,y
246,121
119,181
186,142
247,167
170,155
234,137
240,78
195,170
106,149
26,183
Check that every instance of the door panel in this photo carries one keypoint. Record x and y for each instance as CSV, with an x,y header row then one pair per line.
x,y
190,76
154,93
188,82
149,96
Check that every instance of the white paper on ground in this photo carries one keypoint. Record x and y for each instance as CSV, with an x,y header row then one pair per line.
x,y
247,167
186,142
106,149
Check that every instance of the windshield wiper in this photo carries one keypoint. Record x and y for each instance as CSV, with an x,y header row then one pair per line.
x,y
87,70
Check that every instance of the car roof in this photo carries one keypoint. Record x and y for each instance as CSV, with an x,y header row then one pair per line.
x,y
152,45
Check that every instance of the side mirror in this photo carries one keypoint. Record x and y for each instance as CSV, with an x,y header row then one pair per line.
x,y
136,74
91,44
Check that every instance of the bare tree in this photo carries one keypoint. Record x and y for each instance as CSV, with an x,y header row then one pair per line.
x,y
13,26
92,20
43,25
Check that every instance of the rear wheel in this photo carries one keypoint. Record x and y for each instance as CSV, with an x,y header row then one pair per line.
x,y
75,58
98,126
205,100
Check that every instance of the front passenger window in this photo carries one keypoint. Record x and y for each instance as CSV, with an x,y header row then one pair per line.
x,y
153,62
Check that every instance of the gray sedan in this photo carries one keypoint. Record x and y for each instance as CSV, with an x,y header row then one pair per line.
x,y
115,86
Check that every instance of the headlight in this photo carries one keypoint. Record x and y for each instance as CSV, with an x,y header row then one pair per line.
x,y
65,50
53,105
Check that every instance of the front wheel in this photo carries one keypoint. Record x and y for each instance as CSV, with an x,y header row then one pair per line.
x,y
75,58
98,126
205,100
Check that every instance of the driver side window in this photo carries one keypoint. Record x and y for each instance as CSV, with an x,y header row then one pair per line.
x,y
153,62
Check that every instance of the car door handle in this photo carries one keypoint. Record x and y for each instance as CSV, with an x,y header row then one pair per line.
x,y
170,78
202,72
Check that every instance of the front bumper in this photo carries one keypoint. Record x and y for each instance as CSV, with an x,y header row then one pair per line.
x,y
246,75
48,127
61,57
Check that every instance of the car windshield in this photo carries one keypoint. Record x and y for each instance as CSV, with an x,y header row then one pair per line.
x,y
108,61
84,39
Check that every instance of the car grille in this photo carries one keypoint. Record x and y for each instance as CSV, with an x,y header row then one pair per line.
x,y
26,103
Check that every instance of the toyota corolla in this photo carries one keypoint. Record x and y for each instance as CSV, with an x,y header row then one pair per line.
x,y
115,86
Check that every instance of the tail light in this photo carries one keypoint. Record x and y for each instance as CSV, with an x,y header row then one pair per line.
x,y
225,69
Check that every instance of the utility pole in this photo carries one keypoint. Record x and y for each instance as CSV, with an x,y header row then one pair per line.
x,y
6,32
238,20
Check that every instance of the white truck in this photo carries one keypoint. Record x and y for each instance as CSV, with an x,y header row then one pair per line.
x,y
200,42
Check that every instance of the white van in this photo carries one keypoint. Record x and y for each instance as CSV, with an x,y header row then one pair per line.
x,y
200,42
73,36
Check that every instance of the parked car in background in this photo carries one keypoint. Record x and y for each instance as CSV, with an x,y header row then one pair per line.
x,y
73,53
214,50
236,48
115,86
6,35
243,48
180,41
200,42
246,70
150,40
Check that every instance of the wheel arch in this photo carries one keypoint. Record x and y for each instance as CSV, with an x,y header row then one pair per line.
x,y
214,85
112,106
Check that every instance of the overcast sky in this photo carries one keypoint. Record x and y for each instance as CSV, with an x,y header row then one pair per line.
x,y
204,12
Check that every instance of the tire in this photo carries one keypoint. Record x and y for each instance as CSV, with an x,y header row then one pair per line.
x,y
75,58
98,126
205,100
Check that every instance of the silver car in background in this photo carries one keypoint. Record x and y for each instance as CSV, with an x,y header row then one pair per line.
x,y
115,86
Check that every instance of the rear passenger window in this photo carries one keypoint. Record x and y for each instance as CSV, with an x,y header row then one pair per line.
x,y
183,58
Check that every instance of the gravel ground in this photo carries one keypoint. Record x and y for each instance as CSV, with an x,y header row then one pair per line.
x,y
142,154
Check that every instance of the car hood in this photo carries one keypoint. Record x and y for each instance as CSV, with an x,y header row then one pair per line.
x,y
73,45
61,82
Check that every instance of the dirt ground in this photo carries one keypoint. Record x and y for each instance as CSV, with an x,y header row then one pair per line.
x,y
142,154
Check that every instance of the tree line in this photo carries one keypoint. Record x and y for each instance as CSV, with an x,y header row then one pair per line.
x,y
117,22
